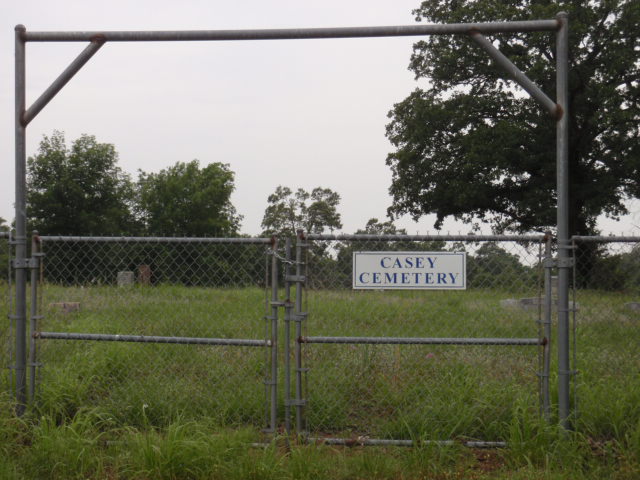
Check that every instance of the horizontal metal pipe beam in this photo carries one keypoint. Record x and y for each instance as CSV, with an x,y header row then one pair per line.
x,y
239,240
517,75
422,341
381,442
99,337
603,239
59,83
427,238
4,234
294,33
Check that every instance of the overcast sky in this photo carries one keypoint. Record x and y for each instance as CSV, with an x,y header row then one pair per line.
x,y
301,113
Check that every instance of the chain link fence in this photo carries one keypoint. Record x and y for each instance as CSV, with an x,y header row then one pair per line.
x,y
420,364
6,331
606,314
367,366
109,307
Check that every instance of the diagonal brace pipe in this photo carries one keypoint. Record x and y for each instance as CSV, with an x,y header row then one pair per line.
x,y
62,80
517,75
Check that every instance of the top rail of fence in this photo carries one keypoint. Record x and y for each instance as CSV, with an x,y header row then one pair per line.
x,y
293,33
606,239
219,240
429,238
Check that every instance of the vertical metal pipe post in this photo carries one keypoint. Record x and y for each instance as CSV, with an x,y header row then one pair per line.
x,y
10,294
562,160
287,338
300,424
35,267
546,323
21,223
274,338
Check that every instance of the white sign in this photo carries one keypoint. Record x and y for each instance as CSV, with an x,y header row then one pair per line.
x,y
410,270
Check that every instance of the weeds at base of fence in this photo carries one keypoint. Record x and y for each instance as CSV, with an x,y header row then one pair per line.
x,y
90,445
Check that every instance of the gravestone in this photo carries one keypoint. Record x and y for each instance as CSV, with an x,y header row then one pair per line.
x,y
125,279
144,275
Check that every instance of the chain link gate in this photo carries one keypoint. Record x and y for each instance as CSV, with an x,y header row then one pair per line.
x,y
109,305
390,367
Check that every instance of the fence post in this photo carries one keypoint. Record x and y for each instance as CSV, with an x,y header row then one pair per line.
x,y
546,323
287,338
299,317
33,327
564,246
273,382
20,238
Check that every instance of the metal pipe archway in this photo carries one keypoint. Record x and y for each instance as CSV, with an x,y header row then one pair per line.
x,y
558,109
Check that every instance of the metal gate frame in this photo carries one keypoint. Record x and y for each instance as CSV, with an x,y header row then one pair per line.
x,y
558,110
270,342
294,313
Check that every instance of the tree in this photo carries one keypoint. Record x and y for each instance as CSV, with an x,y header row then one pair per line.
x,y
313,212
375,227
188,200
492,266
472,148
78,190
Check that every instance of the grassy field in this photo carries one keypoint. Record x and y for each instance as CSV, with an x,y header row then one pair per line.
x,y
115,410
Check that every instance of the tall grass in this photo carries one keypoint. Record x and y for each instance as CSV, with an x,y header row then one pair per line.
x,y
112,410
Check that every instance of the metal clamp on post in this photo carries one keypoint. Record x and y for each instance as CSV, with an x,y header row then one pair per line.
x,y
21,263
295,402
558,262
295,278
299,317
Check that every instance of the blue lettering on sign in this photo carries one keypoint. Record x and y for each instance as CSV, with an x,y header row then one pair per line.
x,y
362,277
408,262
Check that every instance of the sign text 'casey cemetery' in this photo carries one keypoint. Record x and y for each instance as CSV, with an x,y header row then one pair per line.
x,y
410,270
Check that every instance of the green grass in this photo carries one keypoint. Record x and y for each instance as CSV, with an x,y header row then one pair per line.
x,y
137,411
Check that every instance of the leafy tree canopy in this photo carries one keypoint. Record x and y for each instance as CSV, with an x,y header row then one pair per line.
x,y
186,199
288,212
375,227
472,147
78,190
